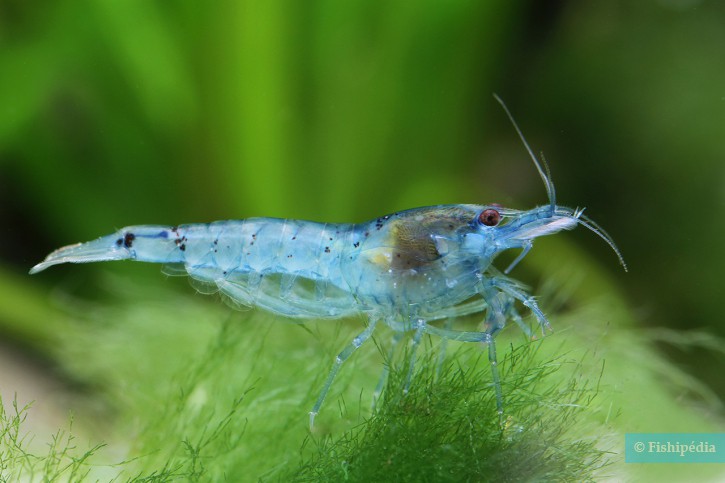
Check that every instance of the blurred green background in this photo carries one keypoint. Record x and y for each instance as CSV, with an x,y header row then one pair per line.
x,y
119,113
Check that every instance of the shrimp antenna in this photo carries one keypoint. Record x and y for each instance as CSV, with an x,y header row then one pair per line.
x,y
544,171
588,223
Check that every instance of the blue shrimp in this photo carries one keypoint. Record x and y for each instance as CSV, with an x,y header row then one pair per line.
x,y
406,269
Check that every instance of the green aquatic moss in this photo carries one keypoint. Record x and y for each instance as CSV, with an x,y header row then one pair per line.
x,y
446,428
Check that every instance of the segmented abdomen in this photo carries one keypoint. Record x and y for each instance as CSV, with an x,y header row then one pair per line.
x,y
286,266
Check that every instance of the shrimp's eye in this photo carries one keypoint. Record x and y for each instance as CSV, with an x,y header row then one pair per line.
x,y
489,217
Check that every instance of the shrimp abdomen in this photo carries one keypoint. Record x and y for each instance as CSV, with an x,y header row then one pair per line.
x,y
285,266
288,267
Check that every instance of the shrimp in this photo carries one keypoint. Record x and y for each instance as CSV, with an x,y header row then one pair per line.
x,y
406,269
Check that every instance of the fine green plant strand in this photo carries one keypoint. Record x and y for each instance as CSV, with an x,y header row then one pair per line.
x,y
63,461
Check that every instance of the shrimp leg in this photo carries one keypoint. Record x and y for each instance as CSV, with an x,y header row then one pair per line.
x,y
468,308
386,366
419,330
510,288
496,377
443,346
514,314
339,361
495,321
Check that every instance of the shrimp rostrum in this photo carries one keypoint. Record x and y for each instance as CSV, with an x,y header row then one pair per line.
x,y
406,269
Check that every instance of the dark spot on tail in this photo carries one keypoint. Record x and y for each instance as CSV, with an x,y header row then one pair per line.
x,y
128,239
181,243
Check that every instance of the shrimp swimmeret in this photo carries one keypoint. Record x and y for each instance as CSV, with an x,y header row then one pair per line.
x,y
406,269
